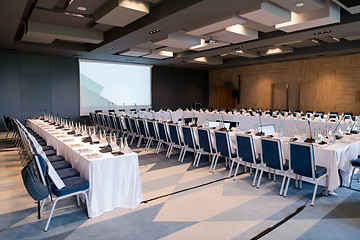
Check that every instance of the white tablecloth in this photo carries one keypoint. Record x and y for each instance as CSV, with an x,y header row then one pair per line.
x,y
334,157
114,180
291,126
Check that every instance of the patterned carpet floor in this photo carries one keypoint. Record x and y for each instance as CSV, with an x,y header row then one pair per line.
x,y
181,201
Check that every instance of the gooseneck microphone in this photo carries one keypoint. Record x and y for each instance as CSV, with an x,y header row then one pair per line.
x,y
310,139
261,132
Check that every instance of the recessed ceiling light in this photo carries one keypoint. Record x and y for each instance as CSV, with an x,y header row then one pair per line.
x,y
315,40
336,39
224,54
323,32
299,4
154,31
81,8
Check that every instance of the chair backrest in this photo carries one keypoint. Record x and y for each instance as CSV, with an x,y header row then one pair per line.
x,y
151,129
271,153
6,123
174,134
127,124
162,131
222,144
142,127
100,120
106,120
302,159
205,143
111,121
246,148
188,135
133,126
118,123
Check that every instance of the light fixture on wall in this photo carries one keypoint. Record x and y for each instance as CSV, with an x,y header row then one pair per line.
x,y
299,4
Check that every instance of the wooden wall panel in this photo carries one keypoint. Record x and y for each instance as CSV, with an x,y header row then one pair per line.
x,y
326,84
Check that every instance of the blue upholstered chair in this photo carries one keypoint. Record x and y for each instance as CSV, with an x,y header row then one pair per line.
x,y
302,163
205,146
356,165
246,154
175,140
272,157
223,149
74,186
188,142
142,131
153,134
163,137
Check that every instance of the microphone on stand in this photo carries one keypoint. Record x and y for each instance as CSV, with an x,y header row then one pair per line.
x,y
124,107
310,139
171,121
352,128
261,132
339,123
223,128
135,107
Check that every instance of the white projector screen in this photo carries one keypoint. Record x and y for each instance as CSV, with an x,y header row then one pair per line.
x,y
113,86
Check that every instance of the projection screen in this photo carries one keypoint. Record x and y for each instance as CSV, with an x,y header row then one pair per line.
x,y
113,86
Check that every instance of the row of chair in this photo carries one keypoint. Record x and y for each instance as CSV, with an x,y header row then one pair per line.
x,y
67,181
200,141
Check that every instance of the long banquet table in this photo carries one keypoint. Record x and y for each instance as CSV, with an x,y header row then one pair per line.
x,y
291,126
114,180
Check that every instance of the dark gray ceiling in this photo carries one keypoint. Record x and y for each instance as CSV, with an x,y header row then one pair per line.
x,y
169,16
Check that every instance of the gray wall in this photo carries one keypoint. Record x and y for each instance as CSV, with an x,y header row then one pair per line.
x,y
178,87
29,83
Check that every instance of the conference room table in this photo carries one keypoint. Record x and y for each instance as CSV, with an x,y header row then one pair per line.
x,y
114,181
291,126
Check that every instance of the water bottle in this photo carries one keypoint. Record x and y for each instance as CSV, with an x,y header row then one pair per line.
x,y
304,134
281,131
121,144
237,126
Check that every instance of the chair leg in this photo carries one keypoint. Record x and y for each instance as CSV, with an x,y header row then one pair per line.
x,y
78,200
51,213
183,149
287,185
195,159
42,205
236,170
232,165
213,170
213,161
87,204
261,173
300,182
352,175
314,194
198,160
282,185
256,172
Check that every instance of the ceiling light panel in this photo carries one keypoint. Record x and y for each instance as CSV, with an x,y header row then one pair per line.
x,y
246,53
182,41
308,5
43,31
121,12
158,54
219,25
205,46
328,15
351,6
268,14
276,50
235,34
135,52
207,60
